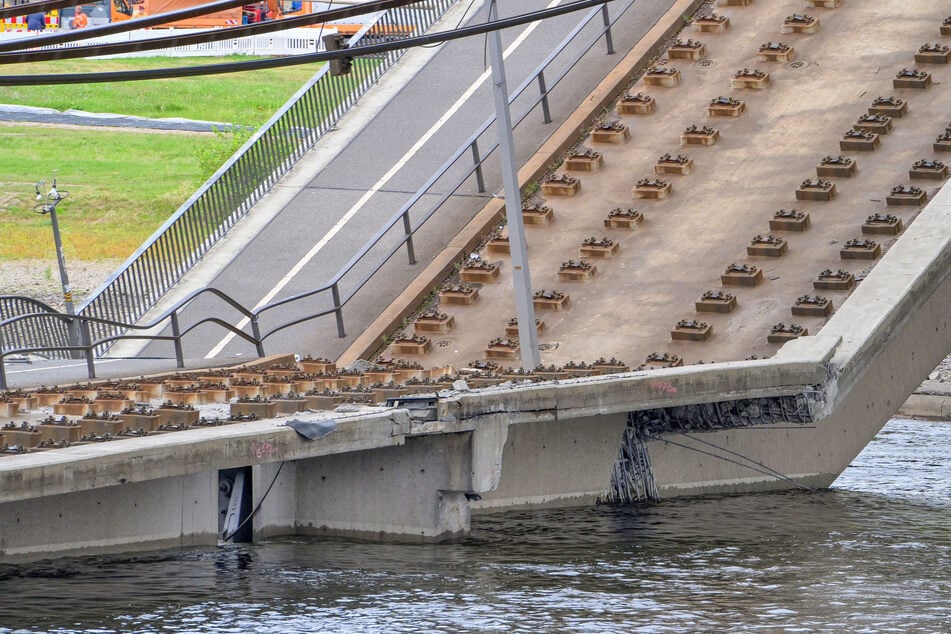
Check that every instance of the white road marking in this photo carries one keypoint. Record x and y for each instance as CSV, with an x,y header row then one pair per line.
x,y
377,186
46,368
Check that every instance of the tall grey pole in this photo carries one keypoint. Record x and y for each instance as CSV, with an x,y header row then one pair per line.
x,y
72,327
67,289
53,198
521,277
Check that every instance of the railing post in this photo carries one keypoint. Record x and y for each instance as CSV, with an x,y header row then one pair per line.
x,y
3,360
338,309
177,334
238,185
608,39
408,230
256,331
480,181
88,352
543,89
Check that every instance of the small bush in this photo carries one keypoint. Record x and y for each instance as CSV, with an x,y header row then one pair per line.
x,y
212,155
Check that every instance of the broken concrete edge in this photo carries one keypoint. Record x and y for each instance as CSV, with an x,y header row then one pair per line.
x,y
260,442
668,387
94,466
562,140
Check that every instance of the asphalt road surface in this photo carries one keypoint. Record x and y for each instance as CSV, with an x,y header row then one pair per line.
x,y
384,161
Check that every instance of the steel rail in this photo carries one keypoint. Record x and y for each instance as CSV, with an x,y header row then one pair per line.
x,y
338,302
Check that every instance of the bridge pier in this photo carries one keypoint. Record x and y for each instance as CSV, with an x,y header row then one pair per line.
x,y
415,492
555,463
170,512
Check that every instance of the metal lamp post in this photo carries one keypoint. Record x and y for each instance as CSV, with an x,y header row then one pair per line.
x,y
47,205
521,277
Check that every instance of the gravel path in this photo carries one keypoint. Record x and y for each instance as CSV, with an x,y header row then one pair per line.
x,y
30,114
39,279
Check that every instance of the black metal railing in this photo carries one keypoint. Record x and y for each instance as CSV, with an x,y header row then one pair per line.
x,y
248,175
346,284
50,327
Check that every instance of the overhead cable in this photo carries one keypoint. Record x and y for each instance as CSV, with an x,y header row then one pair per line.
x,y
269,26
308,58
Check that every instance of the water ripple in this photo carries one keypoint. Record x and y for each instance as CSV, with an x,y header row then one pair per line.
x,y
871,555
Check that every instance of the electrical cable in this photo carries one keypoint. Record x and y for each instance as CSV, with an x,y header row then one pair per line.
x,y
320,32
236,67
458,24
256,508
201,37
775,474
485,40
710,444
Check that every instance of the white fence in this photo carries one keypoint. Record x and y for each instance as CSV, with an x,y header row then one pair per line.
x,y
289,42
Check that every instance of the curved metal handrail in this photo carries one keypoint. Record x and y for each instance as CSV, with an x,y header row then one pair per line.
x,y
227,196
28,300
333,286
88,346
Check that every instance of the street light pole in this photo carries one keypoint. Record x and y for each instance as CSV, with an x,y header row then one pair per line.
x,y
53,198
521,277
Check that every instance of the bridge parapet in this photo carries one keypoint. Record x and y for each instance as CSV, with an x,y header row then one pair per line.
x,y
803,370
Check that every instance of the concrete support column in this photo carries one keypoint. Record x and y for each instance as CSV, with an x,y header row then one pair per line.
x,y
552,463
488,443
411,493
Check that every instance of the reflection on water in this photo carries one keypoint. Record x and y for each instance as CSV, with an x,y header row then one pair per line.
x,y
874,554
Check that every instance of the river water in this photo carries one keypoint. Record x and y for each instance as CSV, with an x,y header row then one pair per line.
x,y
871,555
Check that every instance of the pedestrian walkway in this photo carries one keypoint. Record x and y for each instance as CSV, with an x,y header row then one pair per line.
x,y
31,114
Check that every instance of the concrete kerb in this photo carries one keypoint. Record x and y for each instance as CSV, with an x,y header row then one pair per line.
x,y
927,406
690,385
624,73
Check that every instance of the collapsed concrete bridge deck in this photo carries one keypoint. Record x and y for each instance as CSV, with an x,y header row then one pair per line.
x,y
796,418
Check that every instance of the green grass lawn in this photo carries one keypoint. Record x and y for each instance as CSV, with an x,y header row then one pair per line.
x,y
248,98
122,185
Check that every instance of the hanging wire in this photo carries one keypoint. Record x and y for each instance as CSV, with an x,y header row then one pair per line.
x,y
164,73
765,470
256,508
458,24
734,453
